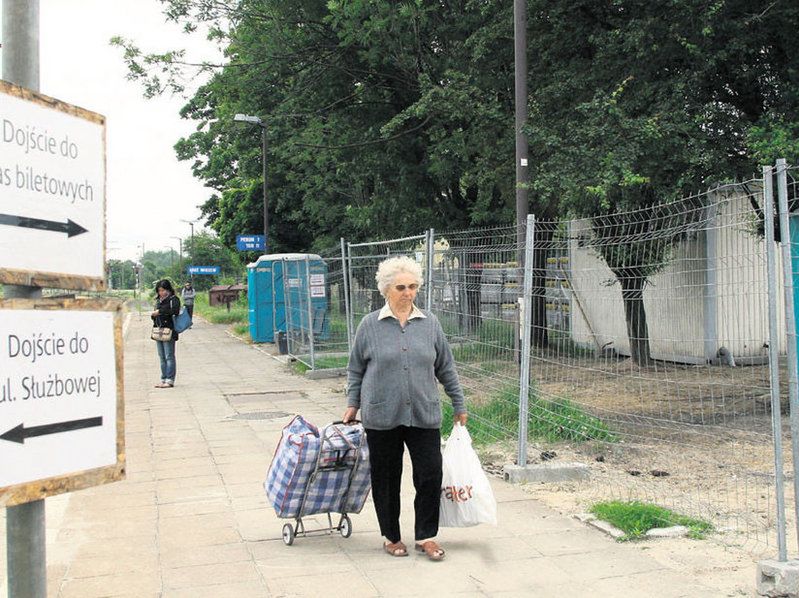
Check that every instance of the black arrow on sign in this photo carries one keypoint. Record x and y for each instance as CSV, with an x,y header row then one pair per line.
x,y
20,433
69,227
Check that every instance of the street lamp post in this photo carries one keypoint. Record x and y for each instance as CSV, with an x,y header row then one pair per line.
x,y
171,256
180,254
254,120
191,224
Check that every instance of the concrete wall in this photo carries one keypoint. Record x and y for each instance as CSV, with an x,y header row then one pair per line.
x,y
712,293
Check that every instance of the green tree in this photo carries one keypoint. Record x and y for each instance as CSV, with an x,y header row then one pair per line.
x,y
206,249
383,118
635,104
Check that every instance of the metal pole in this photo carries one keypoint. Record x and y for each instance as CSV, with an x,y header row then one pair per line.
x,y
526,320
266,205
520,99
431,251
790,326
773,360
193,250
310,311
345,281
21,43
26,557
351,310
286,303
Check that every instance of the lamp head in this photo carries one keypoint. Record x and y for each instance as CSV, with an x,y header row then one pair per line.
x,y
246,118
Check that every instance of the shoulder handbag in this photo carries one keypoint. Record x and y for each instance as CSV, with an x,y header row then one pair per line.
x,y
161,333
183,320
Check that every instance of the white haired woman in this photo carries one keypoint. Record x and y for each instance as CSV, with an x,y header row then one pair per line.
x,y
399,353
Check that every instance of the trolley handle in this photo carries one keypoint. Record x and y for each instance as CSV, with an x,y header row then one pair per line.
x,y
349,423
334,430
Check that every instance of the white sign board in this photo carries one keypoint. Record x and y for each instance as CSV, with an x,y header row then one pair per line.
x,y
317,279
52,192
58,393
317,291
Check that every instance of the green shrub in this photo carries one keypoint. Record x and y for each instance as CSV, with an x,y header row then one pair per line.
x,y
497,418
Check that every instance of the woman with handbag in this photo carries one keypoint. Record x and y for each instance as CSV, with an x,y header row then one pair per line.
x,y
167,306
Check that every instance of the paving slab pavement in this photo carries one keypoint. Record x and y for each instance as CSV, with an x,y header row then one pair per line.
x,y
192,520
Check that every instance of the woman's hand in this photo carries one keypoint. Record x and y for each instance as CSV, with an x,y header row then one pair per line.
x,y
155,313
460,418
349,414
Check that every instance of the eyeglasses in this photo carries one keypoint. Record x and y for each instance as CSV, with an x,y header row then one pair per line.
x,y
402,287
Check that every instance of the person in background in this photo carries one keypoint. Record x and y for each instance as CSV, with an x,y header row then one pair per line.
x,y
167,306
187,294
398,354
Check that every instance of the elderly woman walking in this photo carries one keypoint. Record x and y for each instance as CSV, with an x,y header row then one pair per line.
x,y
399,353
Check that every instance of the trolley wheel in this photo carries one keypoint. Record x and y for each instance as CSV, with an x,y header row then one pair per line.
x,y
288,534
345,526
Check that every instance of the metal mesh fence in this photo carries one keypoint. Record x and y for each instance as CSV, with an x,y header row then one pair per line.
x,y
362,262
652,334
476,286
660,323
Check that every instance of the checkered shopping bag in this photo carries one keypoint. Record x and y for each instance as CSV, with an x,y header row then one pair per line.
x,y
341,481
294,462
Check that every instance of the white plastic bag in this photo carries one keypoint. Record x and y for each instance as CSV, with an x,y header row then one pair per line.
x,y
466,495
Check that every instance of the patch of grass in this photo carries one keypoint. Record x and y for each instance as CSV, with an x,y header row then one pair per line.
x,y
243,331
636,518
562,344
470,352
218,314
497,332
337,324
330,361
497,418
299,367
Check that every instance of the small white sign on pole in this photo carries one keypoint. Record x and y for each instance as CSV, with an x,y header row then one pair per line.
x,y
59,396
52,192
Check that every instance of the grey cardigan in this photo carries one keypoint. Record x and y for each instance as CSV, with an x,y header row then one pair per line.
x,y
392,373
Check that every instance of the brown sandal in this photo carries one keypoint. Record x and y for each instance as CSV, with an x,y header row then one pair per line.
x,y
433,551
396,548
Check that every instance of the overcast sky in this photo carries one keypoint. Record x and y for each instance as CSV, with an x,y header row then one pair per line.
x,y
149,192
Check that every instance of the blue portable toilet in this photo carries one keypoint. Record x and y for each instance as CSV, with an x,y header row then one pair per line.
x,y
270,278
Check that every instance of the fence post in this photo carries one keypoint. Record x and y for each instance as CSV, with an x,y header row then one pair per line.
x,y
524,370
790,326
286,305
710,290
773,360
431,250
310,311
350,307
346,283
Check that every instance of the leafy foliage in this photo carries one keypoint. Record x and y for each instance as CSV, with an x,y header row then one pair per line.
x,y
384,118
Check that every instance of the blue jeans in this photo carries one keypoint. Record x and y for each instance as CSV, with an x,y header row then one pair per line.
x,y
166,353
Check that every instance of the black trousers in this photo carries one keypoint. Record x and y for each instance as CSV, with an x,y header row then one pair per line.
x,y
386,448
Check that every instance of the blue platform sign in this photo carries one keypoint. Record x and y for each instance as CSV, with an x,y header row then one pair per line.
x,y
203,269
251,242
